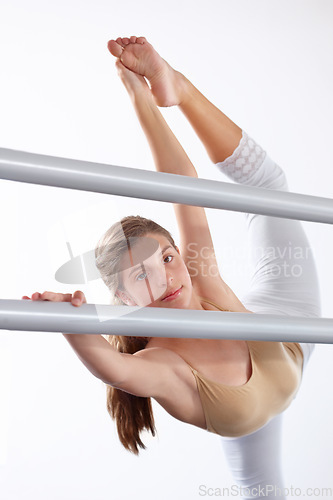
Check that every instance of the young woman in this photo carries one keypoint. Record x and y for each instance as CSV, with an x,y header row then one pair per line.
x,y
236,389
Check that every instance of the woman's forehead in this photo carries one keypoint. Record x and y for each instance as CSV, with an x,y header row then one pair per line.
x,y
139,250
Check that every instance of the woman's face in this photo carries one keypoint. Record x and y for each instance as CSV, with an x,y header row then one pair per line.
x,y
147,283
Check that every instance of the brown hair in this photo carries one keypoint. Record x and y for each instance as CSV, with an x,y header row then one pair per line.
x,y
132,413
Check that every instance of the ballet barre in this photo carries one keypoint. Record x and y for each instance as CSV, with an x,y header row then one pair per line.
x,y
27,315
103,319
68,173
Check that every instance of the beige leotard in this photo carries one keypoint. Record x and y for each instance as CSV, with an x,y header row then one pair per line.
x,y
274,382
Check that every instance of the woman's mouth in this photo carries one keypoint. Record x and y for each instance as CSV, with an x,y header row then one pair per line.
x,y
174,295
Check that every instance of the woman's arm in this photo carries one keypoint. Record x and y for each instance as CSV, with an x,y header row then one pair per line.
x,y
97,354
143,376
196,245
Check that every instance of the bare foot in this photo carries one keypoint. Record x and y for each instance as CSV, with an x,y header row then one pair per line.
x,y
138,55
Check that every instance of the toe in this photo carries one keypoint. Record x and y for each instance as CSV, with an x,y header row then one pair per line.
x,y
133,39
125,41
141,39
115,49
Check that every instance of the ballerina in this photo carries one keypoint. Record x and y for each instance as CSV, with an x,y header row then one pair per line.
x,y
233,388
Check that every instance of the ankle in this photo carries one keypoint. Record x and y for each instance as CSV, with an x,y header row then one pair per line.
x,y
185,89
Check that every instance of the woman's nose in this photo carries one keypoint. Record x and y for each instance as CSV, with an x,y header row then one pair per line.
x,y
165,278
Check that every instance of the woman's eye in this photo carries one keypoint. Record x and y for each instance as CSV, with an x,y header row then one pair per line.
x,y
145,274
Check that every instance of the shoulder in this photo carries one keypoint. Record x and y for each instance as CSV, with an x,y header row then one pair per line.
x,y
177,388
150,372
161,355
170,363
223,296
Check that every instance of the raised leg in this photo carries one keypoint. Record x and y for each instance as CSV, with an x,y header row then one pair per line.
x,y
285,279
218,133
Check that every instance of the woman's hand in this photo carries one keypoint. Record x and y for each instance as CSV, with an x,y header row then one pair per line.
x,y
95,352
76,299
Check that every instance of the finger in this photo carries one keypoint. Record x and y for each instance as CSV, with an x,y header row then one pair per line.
x,y
78,298
56,297
120,41
119,65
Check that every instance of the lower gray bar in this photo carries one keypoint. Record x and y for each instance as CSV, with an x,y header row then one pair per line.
x,y
27,315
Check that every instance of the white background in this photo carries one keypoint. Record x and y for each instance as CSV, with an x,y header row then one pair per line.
x,y
267,65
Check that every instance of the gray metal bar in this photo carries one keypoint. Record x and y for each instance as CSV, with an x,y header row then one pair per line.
x,y
27,315
137,183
